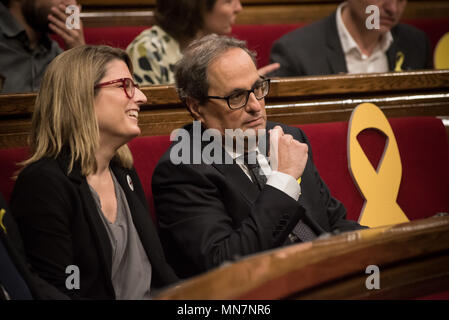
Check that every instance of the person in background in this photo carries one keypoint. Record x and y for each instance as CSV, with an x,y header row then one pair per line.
x,y
342,43
18,281
78,201
25,46
178,22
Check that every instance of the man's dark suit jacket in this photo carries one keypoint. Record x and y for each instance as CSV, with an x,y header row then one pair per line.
x,y
316,50
212,213
61,226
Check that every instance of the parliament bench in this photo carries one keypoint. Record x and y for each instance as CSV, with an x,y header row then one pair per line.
x,y
321,106
413,258
423,147
259,37
415,103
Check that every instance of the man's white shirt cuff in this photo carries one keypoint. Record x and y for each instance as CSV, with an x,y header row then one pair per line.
x,y
285,183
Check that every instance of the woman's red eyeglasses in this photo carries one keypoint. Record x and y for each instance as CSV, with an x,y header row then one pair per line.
x,y
128,86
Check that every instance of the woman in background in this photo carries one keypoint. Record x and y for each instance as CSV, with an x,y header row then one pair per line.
x,y
78,201
178,22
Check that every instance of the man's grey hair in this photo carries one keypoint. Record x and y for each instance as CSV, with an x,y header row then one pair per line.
x,y
191,70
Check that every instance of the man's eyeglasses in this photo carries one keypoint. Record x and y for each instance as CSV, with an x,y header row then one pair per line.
x,y
128,86
239,99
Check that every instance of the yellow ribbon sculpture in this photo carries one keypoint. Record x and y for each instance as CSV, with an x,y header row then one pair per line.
x,y
2,213
441,53
379,187
399,61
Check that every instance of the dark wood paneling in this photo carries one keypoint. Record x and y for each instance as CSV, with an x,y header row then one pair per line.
x,y
291,101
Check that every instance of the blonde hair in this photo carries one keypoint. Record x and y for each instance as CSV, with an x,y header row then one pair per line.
x,y
64,114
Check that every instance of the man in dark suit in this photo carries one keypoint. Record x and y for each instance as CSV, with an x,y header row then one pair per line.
x,y
214,209
349,41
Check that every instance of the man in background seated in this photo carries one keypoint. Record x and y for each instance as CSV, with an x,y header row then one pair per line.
x,y
342,43
25,46
209,213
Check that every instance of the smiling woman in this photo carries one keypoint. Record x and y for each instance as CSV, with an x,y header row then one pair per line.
x,y
78,200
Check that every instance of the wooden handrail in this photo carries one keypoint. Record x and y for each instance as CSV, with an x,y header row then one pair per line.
x,y
413,259
132,12
291,101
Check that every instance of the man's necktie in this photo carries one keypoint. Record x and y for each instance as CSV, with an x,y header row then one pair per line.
x,y
301,232
254,169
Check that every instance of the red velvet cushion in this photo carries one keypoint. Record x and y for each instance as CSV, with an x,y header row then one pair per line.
x,y
8,167
434,28
260,38
146,153
424,150
119,37
422,143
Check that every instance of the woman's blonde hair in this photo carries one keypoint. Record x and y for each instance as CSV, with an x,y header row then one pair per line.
x,y
64,114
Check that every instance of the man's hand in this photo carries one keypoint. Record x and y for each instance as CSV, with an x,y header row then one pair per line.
x,y
287,155
268,68
71,37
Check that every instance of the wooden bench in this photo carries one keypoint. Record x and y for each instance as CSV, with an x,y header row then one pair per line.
x,y
134,12
290,101
413,258
413,262
260,23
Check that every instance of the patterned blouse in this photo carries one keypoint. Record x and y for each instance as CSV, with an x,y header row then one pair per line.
x,y
153,54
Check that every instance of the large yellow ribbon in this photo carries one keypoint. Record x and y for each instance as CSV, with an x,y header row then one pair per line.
x,y
2,214
441,53
379,187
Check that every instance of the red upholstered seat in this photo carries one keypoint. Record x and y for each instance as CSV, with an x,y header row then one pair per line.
x,y
120,36
260,37
146,153
434,28
9,158
422,142
424,150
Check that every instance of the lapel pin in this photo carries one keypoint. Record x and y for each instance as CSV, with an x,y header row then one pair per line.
x,y
130,182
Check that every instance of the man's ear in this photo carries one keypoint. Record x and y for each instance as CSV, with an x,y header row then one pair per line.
x,y
194,108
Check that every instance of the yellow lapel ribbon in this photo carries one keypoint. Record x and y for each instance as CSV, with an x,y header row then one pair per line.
x,y
399,61
379,187
2,214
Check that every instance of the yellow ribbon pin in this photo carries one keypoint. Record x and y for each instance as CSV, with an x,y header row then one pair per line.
x,y
379,187
2,214
399,61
